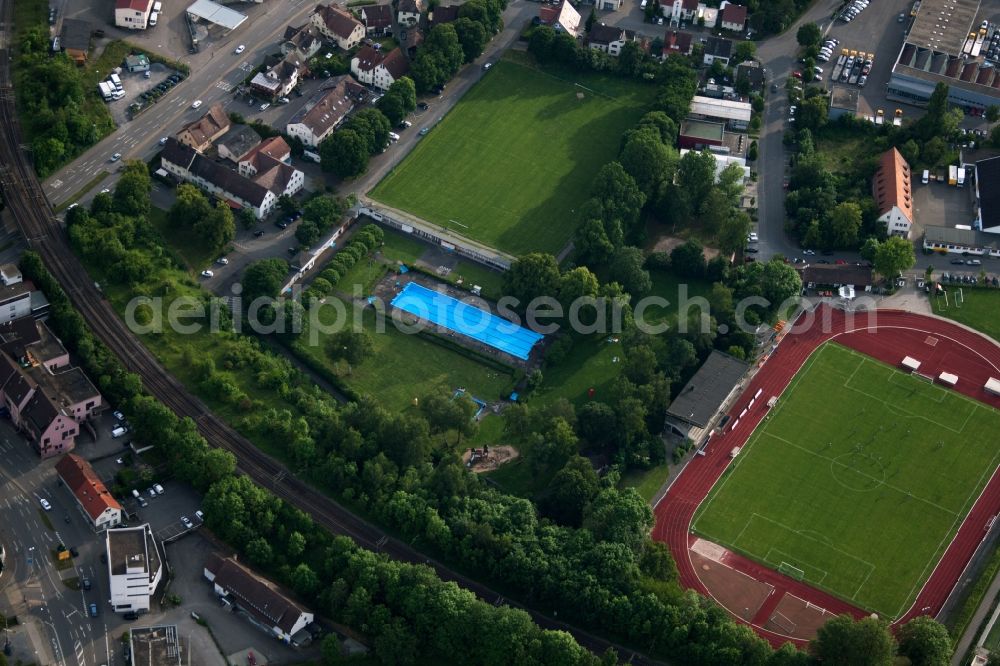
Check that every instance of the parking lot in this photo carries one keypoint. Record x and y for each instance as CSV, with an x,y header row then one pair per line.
x,y
940,204
135,85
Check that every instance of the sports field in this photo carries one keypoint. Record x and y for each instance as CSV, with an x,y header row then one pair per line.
x,y
514,158
857,481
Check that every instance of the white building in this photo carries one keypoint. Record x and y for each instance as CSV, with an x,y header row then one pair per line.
x,y
264,605
93,497
135,567
609,39
133,14
734,113
325,111
379,69
339,26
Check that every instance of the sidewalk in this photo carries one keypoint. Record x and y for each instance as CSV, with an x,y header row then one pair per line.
x,y
965,644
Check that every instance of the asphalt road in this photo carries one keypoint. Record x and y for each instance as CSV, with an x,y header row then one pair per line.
x,y
32,587
138,138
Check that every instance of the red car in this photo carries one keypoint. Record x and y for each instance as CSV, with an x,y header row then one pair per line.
x,y
797,75
840,262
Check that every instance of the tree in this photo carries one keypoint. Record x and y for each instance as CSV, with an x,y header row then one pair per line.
x,y
620,517
345,153
444,413
843,227
844,642
132,191
577,283
925,642
472,36
530,276
627,270
688,260
648,160
591,19
571,489
893,256
808,35
189,207
992,113
696,175
630,58
263,278
352,346
541,42
779,282
744,51
812,113
662,123
592,245
218,227
733,234
619,196
371,125
330,649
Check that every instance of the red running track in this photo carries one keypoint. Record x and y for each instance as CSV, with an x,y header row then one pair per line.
x,y
887,335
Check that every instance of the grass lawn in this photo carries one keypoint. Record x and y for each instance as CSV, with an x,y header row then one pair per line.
x,y
189,248
859,479
678,291
404,367
839,148
589,364
646,481
516,155
979,311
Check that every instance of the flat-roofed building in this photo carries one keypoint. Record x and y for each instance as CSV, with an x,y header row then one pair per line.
x,y
694,409
734,113
135,568
698,134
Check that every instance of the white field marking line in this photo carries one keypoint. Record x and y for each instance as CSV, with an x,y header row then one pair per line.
x,y
960,395
746,450
742,573
777,567
808,604
960,518
869,476
893,375
798,373
901,410
862,584
799,533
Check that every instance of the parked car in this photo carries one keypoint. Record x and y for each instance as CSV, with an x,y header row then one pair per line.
x,y
281,224
265,106
147,74
405,124
753,238
196,104
85,582
207,274
222,261
258,233
131,616
163,140
45,504
199,514
187,522
424,131
423,105
158,488
73,551
152,492
118,414
118,431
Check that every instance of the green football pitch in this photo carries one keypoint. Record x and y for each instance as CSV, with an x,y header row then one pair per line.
x,y
508,166
857,481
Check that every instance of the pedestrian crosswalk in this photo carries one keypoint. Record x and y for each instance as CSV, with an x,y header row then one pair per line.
x,y
225,85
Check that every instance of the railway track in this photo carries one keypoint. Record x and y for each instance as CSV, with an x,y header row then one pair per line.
x,y
26,200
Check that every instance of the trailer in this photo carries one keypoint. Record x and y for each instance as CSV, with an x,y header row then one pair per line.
x,y
952,174
838,68
978,45
970,41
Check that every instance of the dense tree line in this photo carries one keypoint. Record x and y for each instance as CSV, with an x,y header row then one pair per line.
x,y
363,242
319,216
450,45
60,118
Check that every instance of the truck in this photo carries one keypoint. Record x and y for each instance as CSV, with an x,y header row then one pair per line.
x,y
106,90
855,72
897,119
952,174
970,41
978,46
879,117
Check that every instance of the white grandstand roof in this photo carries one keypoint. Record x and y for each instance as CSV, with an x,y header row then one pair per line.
x,y
217,14
720,108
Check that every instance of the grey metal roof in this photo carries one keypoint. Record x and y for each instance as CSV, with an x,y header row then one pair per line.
x,y
215,13
988,183
963,237
702,397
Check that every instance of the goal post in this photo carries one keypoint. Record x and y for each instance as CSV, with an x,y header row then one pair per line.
x,y
791,571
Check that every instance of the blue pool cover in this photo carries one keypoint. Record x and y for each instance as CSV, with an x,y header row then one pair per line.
x,y
466,319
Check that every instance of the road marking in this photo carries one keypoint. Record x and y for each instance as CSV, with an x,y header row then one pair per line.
x,y
224,85
56,184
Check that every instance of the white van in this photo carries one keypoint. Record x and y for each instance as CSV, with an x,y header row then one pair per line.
x,y
157,6
311,156
118,431
135,493
926,177
116,81
393,136
152,18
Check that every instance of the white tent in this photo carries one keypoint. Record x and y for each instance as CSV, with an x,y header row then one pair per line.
x,y
911,364
993,386
948,378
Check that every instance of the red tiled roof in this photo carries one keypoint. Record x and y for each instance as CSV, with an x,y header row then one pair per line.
x,y
338,21
734,14
891,185
80,478
138,5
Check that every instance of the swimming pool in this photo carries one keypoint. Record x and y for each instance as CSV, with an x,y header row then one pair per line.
x,y
466,319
